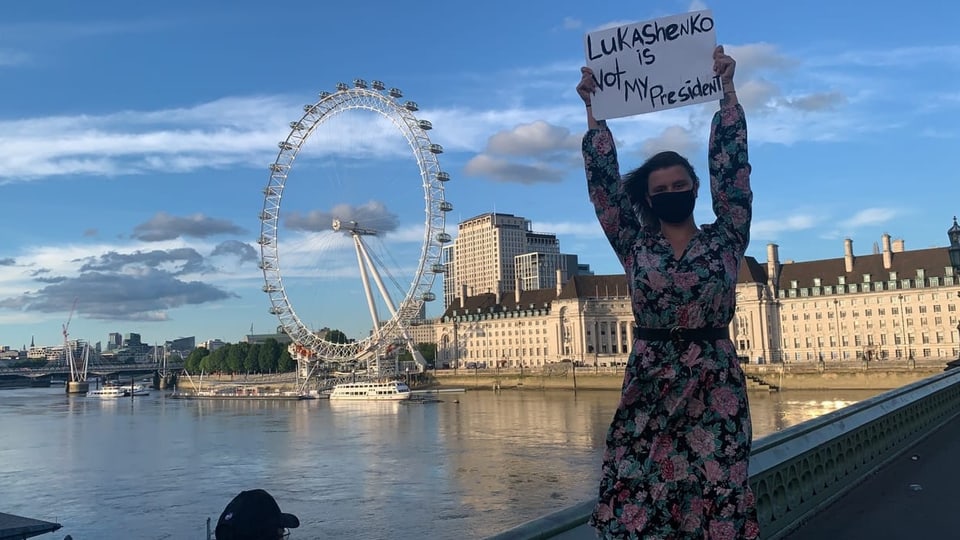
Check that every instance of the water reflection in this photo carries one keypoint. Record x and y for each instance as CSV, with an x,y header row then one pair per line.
x,y
776,411
153,467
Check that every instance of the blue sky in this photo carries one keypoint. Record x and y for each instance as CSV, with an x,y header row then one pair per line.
x,y
135,139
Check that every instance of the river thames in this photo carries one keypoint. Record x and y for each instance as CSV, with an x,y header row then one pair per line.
x,y
157,468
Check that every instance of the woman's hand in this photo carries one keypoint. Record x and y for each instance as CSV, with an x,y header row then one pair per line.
x,y
587,86
724,66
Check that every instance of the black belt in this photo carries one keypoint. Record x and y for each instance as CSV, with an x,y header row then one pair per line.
x,y
681,334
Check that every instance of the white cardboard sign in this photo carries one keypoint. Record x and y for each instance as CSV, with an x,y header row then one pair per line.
x,y
653,65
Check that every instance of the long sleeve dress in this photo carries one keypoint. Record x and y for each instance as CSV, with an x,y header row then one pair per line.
x,y
678,447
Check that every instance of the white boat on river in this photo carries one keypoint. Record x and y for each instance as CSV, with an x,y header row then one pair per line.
x,y
371,391
107,392
135,389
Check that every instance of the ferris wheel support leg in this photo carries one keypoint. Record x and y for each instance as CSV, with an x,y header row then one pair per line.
x,y
418,358
376,278
361,257
305,369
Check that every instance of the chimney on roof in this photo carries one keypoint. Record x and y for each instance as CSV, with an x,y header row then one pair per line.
x,y
463,296
898,246
516,291
773,265
499,292
848,254
559,281
887,252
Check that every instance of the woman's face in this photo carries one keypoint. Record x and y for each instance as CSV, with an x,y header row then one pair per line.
x,y
673,178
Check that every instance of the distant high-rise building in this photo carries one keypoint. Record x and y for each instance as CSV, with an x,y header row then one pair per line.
x,y
114,341
538,270
485,251
184,344
449,280
132,340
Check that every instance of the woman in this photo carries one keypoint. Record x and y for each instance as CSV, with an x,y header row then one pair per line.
x,y
679,444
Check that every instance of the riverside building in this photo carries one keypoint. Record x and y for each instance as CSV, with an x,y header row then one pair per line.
x,y
888,305
500,253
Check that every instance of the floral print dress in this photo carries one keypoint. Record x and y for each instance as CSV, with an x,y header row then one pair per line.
x,y
677,451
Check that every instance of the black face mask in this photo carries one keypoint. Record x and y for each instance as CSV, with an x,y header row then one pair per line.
x,y
673,206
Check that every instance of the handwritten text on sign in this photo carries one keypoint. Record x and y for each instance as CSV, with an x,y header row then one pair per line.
x,y
653,65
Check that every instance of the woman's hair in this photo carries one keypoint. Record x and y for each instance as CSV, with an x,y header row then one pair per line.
x,y
636,183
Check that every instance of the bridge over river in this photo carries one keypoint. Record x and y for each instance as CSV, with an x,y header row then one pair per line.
x,y
882,468
11,375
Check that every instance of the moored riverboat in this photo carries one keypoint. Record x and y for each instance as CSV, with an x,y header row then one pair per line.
x,y
371,391
107,392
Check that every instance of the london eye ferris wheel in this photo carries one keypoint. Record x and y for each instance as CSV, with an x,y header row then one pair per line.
x,y
340,235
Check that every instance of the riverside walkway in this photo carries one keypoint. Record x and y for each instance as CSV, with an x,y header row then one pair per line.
x,y
881,469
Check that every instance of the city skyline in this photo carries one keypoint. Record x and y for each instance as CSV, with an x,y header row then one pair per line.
x,y
134,150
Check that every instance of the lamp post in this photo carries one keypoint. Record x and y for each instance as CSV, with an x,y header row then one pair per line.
x,y
953,233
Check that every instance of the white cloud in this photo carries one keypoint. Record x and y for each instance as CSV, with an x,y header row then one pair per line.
x,y
870,216
570,228
770,229
537,138
676,138
223,133
757,57
506,171
571,23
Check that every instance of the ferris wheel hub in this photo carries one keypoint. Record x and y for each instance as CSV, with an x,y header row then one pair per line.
x,y
353,228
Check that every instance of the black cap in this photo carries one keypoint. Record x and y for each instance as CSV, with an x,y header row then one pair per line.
x,y
253,514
